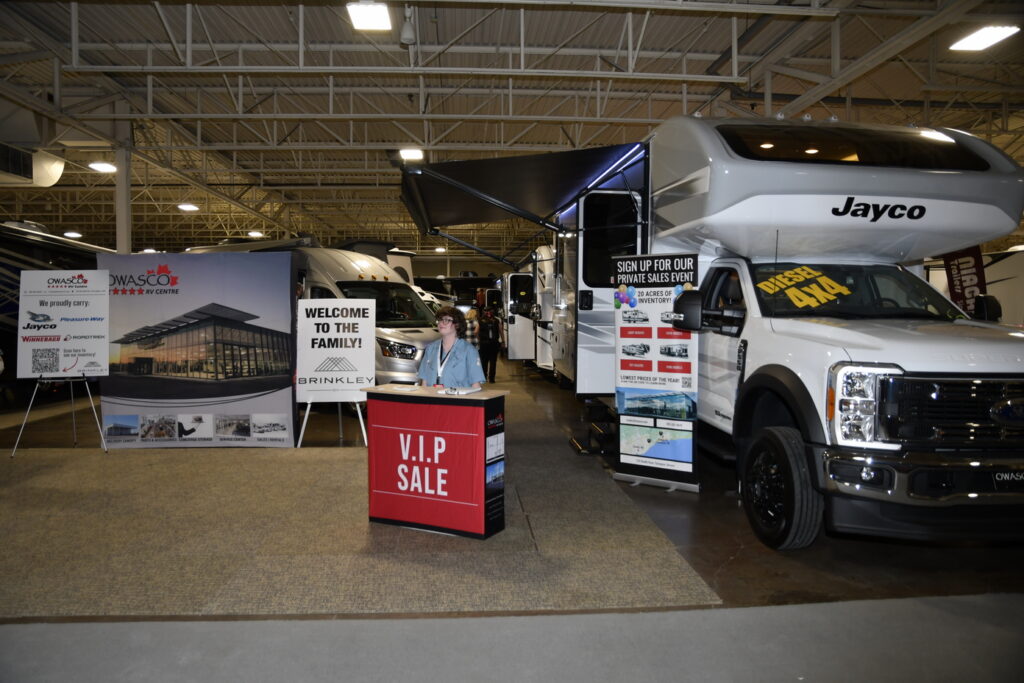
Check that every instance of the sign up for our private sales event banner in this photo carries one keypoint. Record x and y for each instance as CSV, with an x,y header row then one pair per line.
x,y
656,368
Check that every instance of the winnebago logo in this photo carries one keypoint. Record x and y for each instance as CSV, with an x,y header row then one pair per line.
x,y
158,281
40,338
1009,413
857,209
64,282
336,365
40,321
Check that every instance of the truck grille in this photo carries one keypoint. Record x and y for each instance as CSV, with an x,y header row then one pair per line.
x,y
949,412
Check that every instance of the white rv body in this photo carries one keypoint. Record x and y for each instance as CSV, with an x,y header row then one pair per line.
x,y
543,313
517,297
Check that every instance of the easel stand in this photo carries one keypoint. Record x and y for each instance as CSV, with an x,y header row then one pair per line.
x,y
74,421
341,431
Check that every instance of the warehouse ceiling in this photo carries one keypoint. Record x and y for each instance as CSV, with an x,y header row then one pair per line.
x,y
279,117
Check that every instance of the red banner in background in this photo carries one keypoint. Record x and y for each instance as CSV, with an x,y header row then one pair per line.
x,y
965,273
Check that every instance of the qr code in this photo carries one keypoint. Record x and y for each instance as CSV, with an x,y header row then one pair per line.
x,y
45,361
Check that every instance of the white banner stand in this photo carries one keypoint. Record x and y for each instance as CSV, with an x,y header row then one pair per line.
x,y
74,422
341,431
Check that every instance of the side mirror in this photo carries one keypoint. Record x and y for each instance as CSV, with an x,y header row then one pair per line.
x,y
987,307
687,311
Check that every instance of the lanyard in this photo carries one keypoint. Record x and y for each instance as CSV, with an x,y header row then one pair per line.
x,y
442,360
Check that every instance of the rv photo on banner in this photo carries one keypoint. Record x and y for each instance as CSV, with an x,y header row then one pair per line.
x,y
656,367
200,350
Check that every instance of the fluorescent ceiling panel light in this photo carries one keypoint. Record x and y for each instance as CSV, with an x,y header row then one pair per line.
x,y
72,234
984,37
439,250
411,154
188,207
102,167
367,15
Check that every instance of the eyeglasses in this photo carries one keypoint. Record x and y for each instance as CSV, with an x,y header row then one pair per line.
x,y
445,320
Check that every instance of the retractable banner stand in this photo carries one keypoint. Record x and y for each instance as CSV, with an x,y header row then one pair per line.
x,y
335,357
656,372
965,273
201,350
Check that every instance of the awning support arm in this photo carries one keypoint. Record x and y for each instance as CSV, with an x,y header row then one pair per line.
x,y
473,247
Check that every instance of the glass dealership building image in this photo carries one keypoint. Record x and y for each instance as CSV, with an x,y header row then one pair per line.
x,y
213,342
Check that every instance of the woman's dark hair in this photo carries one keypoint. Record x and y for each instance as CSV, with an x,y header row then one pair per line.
x,y
456,315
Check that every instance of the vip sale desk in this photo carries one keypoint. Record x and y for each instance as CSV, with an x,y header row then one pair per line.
x,y
437,461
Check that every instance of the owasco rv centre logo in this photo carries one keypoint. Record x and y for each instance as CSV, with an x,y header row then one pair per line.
x,y
154,281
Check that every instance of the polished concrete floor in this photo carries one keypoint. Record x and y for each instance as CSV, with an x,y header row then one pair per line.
x,y
709,528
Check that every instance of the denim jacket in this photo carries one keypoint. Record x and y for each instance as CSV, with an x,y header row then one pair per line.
x,y
461,370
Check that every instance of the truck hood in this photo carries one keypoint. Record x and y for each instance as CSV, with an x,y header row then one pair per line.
x,y
417,336
916,345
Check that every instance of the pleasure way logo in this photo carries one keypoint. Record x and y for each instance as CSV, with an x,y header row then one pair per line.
x,y
1009,413
856,209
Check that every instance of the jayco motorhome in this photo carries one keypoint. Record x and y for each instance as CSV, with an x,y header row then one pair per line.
x,y
853,395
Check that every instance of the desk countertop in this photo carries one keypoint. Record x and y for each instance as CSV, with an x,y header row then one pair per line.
x,y
432,392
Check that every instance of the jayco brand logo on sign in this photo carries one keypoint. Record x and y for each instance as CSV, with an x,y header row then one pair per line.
x,y
856,209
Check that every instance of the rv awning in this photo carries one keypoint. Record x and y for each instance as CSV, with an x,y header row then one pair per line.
x,y
538,184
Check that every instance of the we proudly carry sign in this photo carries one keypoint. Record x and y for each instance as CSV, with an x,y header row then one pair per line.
x,y
63,324
335,350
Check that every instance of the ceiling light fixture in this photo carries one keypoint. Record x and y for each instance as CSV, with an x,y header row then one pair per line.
x,y
149,251
767,145
439,250
255,233
411,154
983,38
72,234
188,207
810,150
367,15
103,167
408,34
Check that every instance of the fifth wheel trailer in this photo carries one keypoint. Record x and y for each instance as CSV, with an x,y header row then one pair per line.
x,y
854,395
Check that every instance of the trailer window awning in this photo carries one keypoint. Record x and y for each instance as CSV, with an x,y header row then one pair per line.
x,y
539,184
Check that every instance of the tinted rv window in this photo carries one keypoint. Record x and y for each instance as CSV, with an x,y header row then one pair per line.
x,y
610,225
843,145
397,304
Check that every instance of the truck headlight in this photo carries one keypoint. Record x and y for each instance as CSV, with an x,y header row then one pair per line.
x,y
393,349
853,404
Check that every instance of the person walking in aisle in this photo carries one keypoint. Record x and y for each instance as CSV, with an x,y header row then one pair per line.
x,y
492,339
472,328
451,361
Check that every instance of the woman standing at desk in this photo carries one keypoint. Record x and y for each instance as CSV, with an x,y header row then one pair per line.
x,y
451,361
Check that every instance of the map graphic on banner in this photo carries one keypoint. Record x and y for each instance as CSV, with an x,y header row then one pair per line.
x,y
200,350
335,357
656,367
62,324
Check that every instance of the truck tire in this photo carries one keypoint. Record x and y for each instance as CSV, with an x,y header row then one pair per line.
x,y
782,506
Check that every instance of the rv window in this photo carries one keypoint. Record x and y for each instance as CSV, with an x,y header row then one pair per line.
x,y
848,291
321,293
847,145
397,304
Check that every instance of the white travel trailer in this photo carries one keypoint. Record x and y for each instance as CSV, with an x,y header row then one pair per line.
x,y
405,324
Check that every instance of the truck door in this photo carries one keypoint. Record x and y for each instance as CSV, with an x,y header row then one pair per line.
x,y
721,365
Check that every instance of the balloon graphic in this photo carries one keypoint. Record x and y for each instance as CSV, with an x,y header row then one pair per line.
x,y
678,290
632,302
618,304
631,291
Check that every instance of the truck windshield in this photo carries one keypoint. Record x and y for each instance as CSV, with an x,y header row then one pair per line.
x,y
397,304
788,290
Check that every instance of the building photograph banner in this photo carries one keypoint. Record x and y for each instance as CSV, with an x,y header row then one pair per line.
x,y
62,324
335,357
656,368
200,350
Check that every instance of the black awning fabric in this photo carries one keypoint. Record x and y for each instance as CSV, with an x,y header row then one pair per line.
x,y
539,184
